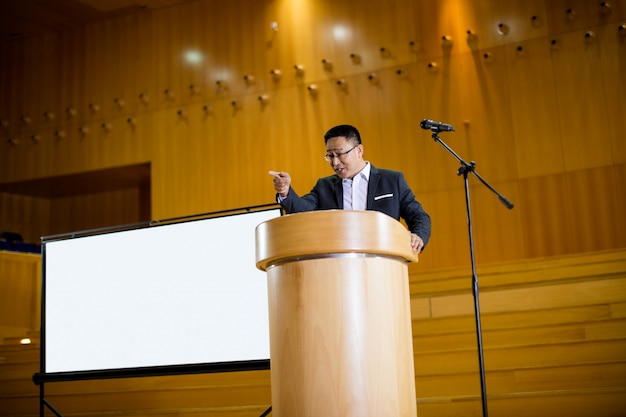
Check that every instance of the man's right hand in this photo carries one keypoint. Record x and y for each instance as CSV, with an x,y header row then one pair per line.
x,y
282,181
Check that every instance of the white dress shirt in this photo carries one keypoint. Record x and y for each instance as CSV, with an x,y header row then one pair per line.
x,y
355,190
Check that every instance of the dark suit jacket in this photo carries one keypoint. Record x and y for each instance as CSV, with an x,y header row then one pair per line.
x,y
387,192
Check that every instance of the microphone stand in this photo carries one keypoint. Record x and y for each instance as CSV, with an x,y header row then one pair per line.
x,y
464,170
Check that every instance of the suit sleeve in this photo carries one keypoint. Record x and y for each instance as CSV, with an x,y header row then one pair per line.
x,y
416,218
293,203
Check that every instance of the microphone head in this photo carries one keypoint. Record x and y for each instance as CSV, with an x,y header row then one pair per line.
x,y
436,126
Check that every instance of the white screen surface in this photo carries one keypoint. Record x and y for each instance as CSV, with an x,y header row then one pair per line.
x,y
183,293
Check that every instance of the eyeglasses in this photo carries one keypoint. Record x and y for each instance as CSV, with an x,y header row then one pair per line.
x,y
329,157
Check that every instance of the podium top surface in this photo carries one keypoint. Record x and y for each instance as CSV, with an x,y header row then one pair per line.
x,y
331,232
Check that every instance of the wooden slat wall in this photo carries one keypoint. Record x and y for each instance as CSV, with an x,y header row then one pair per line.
x,y
554,334
539,108
28,216
20,297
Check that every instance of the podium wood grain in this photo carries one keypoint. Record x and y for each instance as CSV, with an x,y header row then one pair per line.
x,y
339,309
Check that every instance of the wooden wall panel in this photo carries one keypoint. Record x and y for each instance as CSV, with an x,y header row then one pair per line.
x,y
538,142
498,231
613,55
618,200
293,44
167,31
106,209
19,298
121,97
585,14
171,139
583,118
436,19
143,87
526,19
486,108
97,63
530,118
70,75
449,218
16,108
595,187
29,216
546,216
5,83
193,63
566,16
401,144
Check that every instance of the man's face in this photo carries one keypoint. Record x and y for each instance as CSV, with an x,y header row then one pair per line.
x,y
346,159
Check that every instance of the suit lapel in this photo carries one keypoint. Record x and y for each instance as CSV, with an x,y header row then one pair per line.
x,y
338,192
371,186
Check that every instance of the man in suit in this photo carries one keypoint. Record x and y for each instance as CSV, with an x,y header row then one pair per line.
x,y
357,185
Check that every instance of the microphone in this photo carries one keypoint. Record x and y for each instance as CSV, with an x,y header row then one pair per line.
x,y
432,125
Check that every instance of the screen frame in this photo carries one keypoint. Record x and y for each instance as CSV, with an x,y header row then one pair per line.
x,y
142,371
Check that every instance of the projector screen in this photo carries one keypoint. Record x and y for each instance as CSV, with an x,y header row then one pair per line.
x,y
174,294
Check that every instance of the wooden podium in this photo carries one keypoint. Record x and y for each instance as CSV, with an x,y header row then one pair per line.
x,y
339,310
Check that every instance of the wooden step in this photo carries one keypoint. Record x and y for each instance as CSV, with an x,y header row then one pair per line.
x,y
512,358
567,377
127,397
570,403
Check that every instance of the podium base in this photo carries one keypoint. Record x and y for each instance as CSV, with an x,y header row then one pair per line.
x,y
340,337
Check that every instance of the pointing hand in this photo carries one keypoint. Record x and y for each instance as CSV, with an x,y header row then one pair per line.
x,y
282,181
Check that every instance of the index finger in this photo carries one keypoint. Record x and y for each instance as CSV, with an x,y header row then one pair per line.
x,y
275,174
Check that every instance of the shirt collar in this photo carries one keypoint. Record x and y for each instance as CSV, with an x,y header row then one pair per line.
x,y
364,173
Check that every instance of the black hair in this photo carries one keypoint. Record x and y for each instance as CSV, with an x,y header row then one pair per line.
x,y
349,132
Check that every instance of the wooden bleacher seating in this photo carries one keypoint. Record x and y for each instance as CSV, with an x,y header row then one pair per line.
x,y
554,332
